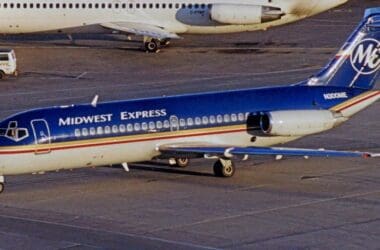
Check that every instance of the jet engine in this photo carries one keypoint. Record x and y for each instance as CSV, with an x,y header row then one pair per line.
x,y
293,123
244,14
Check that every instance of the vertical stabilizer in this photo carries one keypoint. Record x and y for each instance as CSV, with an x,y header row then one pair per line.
x,y
357,64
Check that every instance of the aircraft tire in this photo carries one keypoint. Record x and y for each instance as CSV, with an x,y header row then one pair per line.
x,y
152,46
2,187
224,168
182,162
2,74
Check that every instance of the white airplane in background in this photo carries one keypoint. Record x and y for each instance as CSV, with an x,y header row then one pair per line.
x,y
157,21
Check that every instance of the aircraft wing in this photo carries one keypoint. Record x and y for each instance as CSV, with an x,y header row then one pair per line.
x,y
141,29
229,152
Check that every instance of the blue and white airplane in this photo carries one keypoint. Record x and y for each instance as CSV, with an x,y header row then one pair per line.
x,y
220,125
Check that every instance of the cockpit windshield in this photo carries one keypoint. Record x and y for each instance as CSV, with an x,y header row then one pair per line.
x,y
14,133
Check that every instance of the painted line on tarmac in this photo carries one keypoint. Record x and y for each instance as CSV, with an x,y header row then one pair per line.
x,y
81,75
270,210
152,238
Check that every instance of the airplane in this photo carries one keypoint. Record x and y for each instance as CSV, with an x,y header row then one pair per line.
x,y
156,20
216,125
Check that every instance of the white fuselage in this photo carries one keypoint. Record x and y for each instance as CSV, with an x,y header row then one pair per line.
x,y
19,16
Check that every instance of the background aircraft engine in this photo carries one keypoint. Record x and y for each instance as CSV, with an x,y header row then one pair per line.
x,y
294,123
244,14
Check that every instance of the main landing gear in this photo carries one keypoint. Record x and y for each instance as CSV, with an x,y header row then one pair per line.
x,y
224,168
152,45
2,180
179,162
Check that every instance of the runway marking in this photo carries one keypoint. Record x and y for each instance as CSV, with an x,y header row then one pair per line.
x,y
152,238
81,75
302,204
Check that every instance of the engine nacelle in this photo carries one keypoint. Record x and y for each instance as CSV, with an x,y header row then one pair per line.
x,y
240,14
294,123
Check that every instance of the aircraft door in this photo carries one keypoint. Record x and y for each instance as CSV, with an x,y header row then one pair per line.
x,y
41,134
174,123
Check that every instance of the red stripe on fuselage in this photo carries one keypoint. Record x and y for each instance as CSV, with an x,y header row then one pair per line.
x,y
120,142
359,101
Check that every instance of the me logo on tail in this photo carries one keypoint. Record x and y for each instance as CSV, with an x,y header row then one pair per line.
x,y
365,58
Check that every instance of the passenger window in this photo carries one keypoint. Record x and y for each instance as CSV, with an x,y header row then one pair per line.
x,y
159,124
226,118
99,130
166,124
198,121
122,128
219,119
234,117
212,119
107,129
92,131
77,132
152,125
84,131
129,127
115,129
144,126
182,122
137,127
204,120
190,122
241,117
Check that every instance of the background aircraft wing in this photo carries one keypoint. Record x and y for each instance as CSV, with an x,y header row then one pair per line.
x,y
141,29
229,152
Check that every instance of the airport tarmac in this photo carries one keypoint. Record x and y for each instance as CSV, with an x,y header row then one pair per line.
x,y
288,204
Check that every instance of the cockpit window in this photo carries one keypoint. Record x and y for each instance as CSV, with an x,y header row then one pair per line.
x,y
13,132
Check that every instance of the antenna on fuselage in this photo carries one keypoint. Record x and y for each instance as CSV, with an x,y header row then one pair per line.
x,y
95,101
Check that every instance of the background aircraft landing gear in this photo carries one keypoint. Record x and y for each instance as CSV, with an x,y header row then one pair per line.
x,y
182,162
2,186
165,42
152,45
224,168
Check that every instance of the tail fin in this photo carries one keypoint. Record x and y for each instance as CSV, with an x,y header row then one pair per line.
x,y
357,64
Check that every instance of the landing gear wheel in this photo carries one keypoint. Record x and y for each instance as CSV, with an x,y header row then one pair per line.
x,y
2,75
182,162
2,187
152,46
224,168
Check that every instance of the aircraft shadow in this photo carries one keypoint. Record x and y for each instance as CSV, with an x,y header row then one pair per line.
x,y
164,168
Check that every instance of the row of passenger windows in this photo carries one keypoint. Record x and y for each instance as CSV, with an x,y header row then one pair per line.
x,y
104,5
173,124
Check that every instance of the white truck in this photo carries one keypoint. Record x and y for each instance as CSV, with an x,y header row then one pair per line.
x,y
8,63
